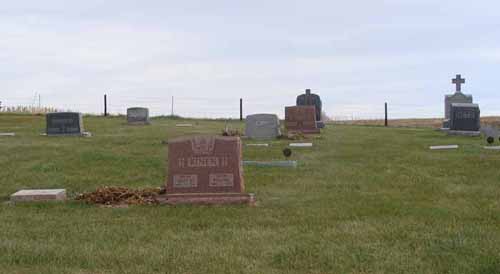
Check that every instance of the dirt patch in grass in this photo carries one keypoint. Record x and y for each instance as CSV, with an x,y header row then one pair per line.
x,y
118,196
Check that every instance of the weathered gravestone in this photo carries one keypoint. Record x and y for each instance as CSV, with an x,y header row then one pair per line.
x,y
206,170
262,126
301,119
457,97
465,118
490,131
138,116
311,99
64,124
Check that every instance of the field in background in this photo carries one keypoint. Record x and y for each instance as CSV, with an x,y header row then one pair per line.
x,y
429,123
364,199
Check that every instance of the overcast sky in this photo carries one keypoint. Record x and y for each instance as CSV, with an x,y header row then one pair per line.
x,y
208,53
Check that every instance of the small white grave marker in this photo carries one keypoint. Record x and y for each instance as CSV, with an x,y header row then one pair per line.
x,y
493,148
257,145
301,144
444,147
7,134
39,195
184,125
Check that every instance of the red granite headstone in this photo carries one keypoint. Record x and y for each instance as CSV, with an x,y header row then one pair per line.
x,y
206,170
301,119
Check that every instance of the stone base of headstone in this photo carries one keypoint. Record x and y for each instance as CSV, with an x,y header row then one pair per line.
x,y
444,129
38,195
208,199
464,133
305,131
446,123
320,124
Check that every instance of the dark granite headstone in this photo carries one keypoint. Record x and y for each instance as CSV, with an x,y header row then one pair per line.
x,y
311,99
457,97
64,123
206,169
137,116
465,117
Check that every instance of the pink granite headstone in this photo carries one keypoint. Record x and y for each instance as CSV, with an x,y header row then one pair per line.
x,y
301,119
206,170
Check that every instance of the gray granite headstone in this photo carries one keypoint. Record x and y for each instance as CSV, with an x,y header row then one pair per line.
x,y
262,126
465,117
138,115
64,124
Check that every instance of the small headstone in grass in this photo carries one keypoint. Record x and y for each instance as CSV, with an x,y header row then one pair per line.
x,y
5,134
38,195
301,119
444,147
205,170
184,125
138,116
262,126
271,163
301,144
65,124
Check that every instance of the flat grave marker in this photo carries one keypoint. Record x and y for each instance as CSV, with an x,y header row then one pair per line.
x,y
7,134
443,147
39,195
301,144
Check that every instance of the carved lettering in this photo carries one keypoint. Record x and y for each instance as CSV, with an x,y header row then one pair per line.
x,y
221,180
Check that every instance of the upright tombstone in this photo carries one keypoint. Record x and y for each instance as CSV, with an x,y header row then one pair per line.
x,y
138,116
311,99
457,97
301,119
206,170
262,126
64,124
465,118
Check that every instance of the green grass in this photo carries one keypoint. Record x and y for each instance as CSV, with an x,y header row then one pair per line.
x,y
363,200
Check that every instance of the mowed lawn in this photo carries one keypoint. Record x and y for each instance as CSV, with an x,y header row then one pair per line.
x,y
362,200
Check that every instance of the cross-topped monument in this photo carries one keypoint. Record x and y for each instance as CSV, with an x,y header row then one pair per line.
x,y
458,81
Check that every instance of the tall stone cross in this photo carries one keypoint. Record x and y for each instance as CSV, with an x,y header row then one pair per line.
x,y
458,82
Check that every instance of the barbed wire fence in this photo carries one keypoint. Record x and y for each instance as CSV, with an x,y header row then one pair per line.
x,y
211,107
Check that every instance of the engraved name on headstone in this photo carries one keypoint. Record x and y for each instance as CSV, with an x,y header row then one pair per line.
x,y
465,117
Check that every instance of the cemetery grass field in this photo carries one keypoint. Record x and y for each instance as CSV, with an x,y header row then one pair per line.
x,y
362,200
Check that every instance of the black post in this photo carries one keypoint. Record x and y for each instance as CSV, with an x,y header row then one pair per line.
x,y
386,123
241,109
105,105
